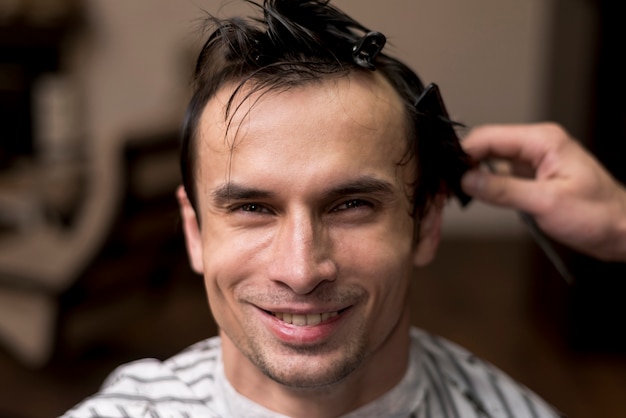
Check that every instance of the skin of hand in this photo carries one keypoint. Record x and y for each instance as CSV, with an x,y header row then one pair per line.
x,y
553,178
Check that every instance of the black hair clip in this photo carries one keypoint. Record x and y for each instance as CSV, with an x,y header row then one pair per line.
x,y
364,52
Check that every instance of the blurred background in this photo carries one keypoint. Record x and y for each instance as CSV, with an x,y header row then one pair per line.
x,y
93,271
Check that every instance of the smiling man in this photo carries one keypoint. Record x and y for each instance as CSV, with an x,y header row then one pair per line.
x,y
315,170
303,233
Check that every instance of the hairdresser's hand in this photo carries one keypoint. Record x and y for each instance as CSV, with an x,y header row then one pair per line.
x,y
570,195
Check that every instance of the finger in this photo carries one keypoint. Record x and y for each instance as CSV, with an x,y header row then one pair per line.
x,y
526,143
505,191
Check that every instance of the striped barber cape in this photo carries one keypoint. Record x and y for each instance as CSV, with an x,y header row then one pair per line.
x,y
443,380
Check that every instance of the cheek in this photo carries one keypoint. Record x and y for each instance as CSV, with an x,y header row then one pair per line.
x,y
229,260
384,272
230,254
388,242
381,260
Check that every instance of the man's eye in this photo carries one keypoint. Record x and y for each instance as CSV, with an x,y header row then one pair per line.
x,y
351,204
253,207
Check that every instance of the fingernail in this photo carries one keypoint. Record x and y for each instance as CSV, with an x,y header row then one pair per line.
x,y
472,181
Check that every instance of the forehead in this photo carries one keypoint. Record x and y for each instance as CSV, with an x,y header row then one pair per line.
x,y
359,115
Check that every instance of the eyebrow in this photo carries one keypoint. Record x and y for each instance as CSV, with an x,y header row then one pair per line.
x,y
232,191
364,185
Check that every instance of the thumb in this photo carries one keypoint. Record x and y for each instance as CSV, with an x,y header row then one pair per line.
x,y
500,190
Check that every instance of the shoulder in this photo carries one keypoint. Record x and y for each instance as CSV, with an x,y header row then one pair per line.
x,y
182,384
458,379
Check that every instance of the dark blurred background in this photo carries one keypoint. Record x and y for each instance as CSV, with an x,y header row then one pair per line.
x,y
93,271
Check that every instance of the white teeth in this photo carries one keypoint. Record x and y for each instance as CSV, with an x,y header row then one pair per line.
x,y
301,319
298,320
313,319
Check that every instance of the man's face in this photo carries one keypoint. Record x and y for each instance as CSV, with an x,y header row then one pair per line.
x,y
306,239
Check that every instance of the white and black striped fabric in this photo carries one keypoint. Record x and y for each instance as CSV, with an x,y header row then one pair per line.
x,y
443,381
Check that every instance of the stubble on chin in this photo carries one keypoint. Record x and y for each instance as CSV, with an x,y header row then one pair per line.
x,y
313,367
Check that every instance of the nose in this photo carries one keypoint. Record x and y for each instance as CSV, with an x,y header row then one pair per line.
x,y
302,254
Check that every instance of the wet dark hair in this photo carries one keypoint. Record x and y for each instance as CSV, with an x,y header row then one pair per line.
x,y
296,42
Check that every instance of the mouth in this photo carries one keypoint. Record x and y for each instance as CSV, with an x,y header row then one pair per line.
x,y
306,327
301,320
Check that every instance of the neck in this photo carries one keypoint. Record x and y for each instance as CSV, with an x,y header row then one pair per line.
x,y
379,373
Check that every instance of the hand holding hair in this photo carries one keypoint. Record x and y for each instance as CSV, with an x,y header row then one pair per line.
x,y
553,178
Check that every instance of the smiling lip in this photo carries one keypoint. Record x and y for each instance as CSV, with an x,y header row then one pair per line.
x,y
303,328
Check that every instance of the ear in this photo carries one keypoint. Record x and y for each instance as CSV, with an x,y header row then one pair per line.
x,y
193,237
429,232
